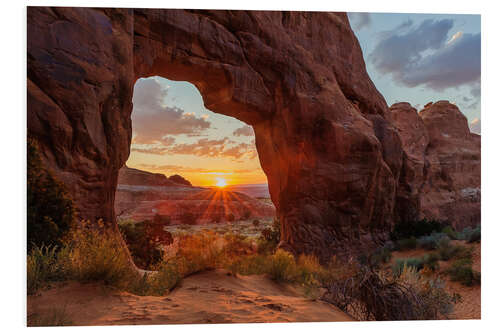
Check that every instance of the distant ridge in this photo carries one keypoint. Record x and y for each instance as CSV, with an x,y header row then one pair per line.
x,y
131,176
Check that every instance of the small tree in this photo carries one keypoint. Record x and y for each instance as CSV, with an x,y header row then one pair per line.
x,y
50,208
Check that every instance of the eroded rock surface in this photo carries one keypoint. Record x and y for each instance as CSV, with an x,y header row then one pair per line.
x,y
441,174
322,129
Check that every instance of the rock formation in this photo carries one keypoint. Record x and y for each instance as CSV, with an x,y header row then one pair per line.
x,y
323,135
131,176
441,174
180,180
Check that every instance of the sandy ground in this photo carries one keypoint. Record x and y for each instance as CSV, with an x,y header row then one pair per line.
x,y
470,307
208,297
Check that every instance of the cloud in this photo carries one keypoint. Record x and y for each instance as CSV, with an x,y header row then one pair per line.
x,y
423,55
475,126
360,20
170,168
244,131
152,120
224,147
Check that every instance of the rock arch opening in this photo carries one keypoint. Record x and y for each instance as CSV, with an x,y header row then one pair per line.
x,y
188,165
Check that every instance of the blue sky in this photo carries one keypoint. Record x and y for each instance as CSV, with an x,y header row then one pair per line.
x,y
414,57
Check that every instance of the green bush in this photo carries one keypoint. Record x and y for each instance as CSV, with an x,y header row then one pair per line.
x,y
447,252
408,229
96,253
431,261
470,234
379,256
461,271
143,247
282,267
448,230
50,210
406,244
401,263
433,241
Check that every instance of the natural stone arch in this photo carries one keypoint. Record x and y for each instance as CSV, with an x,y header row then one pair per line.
x,y
298,78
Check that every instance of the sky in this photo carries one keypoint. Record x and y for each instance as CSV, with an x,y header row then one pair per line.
x,y
415,58
421,58
173,133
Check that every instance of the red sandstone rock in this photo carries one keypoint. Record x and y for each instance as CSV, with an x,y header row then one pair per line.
x,y
322,129
441,174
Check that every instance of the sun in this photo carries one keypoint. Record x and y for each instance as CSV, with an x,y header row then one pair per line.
x,y
221,182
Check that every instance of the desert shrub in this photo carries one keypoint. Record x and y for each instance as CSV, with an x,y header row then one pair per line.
x,y
380,256
450,232
373,295
236,245
408,229
44,264
401,263
406,244
143,246
188,218
50,210
96,253
433,241
256,223
200,252
431,261
470,234
461,271
270,237
448,251
161,219
230,217
248,265
475,235
282,267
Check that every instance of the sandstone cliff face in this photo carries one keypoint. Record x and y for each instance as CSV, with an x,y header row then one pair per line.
x,y
441,173
322,129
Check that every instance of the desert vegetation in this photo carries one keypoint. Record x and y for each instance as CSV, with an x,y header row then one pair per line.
x,y
368,288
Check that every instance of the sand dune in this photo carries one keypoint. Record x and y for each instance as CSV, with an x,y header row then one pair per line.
x,y
219,298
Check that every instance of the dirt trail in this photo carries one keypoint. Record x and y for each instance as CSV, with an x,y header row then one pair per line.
x,y
208,297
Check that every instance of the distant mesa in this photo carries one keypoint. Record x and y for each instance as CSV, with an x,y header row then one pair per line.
x,y
131,176
143,195
180,180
